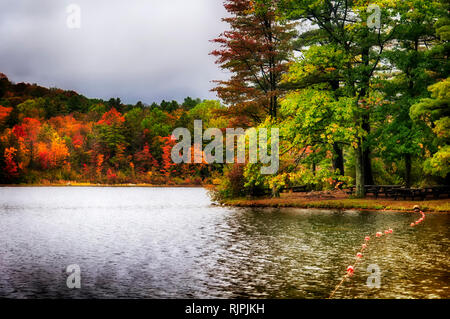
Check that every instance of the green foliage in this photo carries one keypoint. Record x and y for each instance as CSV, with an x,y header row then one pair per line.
x,y
98,108
313,117
206,111
157,123
435,112
190,103
32,108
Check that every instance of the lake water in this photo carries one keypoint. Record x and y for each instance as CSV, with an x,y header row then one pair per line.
x,y
172,243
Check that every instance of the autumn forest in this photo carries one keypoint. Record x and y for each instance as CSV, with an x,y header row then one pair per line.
x,y
359,99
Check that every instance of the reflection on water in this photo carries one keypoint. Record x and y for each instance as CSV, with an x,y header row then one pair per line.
x,y
172,243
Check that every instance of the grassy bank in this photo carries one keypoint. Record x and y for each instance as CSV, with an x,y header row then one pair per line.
x,y
440,205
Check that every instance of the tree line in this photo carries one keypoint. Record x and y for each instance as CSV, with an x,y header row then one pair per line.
x,y
356,102
57,136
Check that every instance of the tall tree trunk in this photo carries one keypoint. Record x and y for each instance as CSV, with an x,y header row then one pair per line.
x,y
368,175
408,170
359,168
360,163
365,124
275,106
338,156
338,159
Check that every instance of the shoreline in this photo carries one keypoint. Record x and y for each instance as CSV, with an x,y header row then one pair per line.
x,y
104,185
287,201
438,205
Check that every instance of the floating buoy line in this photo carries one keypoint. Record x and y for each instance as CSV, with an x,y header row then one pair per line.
x,y
351,268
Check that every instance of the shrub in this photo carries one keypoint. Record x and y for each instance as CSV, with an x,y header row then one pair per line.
x,y
231,184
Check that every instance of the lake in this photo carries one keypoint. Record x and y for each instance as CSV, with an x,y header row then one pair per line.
x,y
142,242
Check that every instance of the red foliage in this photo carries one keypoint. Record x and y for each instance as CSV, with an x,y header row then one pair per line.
x,y
10,164
77,141
255,51
44,158
29,129
145,160
112,117
167,165
111,175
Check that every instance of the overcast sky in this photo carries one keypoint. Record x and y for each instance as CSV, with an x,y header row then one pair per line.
x,y
145,50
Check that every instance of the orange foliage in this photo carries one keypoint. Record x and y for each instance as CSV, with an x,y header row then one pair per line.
x,y
112,117
99,163
10,164
167,165
197,152
53,155
29,129
4,113
69,126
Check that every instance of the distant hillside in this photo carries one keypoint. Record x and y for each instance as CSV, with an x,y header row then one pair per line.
x,y
57,136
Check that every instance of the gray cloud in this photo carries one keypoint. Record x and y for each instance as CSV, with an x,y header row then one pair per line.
x,y
135,49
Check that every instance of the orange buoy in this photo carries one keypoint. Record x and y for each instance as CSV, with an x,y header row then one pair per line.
x,y
386,232
367,238
391,230
379,234
412,224
358,255
350,270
